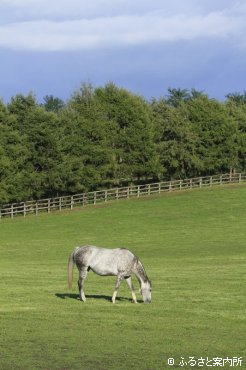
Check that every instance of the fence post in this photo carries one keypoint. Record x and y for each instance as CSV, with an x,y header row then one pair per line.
x,y
95,198
240,177
200,182
130,191
12,211
71,205
106,196
170,186
211,181
149,191
24,209
180,184
48,206
138,194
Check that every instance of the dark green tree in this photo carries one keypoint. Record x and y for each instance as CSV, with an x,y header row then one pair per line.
x,y
86,151
53,104
135,155
237,98
20,106
176,96
40,131
217,133
44,134
13,159
176,140
237,112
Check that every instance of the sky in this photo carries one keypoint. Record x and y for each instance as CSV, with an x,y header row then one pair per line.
x,y
50,47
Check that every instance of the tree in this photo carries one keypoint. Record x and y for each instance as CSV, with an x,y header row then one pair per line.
x,y
176,140
237,112
195,94
20,106
135,155
237,98
176,96
13,157
43,133
85,144
53,104
216,130
40,133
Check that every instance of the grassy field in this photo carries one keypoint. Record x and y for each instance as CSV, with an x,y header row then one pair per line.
x,y
193,246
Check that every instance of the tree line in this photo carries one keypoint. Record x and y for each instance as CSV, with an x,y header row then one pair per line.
x,y
107,136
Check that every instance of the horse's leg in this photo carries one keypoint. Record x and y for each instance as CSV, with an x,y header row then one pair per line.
x,y
130,285
117,285
82,276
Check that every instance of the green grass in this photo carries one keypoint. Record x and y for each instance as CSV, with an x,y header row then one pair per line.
x,y
193,247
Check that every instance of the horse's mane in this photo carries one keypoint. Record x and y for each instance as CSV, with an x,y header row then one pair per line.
x,y
140,269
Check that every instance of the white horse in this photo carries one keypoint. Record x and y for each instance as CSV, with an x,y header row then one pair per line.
x,y
118,262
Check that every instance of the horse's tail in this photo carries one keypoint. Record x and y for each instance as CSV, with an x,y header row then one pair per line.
x,y
70,266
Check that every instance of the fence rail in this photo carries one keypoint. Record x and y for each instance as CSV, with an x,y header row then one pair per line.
x,y
103,196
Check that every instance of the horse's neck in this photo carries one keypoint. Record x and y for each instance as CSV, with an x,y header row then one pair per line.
x,y
140,273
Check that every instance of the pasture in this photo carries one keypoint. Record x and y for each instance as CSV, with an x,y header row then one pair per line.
x,y
193,246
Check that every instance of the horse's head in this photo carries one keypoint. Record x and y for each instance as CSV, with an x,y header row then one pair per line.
x,y
146,291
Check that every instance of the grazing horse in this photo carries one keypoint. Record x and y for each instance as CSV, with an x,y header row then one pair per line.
x,y
118,262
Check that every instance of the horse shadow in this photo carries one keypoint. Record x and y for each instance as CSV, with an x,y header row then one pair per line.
x,y
95,296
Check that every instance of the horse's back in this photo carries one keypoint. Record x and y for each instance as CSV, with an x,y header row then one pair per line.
x,y
105,261
91,250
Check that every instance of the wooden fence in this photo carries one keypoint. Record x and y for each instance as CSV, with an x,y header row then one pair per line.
x,y
103,196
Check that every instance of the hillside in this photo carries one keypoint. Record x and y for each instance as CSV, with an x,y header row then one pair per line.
x,y
193,247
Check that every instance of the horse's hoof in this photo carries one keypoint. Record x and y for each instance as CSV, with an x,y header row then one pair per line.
x,y
134,301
